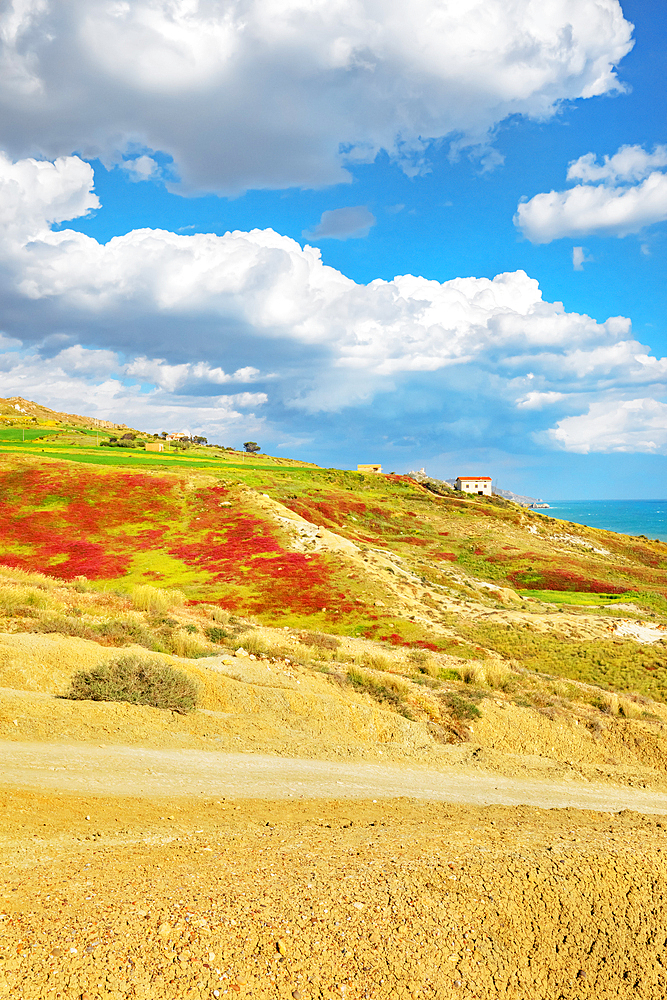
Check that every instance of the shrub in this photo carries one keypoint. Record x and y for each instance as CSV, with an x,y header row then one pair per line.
x,y
449,674
154,600
462,706
216,634
390,690
137,680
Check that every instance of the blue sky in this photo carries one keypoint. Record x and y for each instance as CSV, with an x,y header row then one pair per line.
x,y
453,144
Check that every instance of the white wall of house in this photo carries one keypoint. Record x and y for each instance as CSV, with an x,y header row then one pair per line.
x,y
471,484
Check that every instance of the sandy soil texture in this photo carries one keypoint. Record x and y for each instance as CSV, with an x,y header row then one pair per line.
x,y
169,898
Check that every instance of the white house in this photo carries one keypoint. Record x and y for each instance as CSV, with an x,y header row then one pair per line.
x,y
475,484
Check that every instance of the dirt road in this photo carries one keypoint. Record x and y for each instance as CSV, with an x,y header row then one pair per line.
x,y
149,773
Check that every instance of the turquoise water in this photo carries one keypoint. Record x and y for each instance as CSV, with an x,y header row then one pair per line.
x,y
630,517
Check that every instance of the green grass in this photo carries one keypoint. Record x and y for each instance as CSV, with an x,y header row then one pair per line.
x,y
14,435
138,458
195,457
620,665
575,597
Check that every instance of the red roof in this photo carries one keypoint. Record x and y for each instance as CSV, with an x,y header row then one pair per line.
x,y
476,478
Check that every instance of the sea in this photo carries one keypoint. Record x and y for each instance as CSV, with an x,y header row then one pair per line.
x,y
630,517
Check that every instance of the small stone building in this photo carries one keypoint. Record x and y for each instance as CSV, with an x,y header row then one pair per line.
x,y
369,468
475,484
154,446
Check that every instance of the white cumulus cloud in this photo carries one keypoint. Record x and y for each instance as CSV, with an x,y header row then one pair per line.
x,y
613,425
631,194
277,93
630,164
536,400
98,384
157,319
36,193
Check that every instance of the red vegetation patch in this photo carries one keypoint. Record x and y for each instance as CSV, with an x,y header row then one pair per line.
x,y
334,509
392,477
562,580
68,523
498,557
240,549
449,556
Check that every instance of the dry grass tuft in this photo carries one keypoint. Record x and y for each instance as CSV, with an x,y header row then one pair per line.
x,y
302,654
629,708
473,673
253,642
14,597
374,661
499,677
220,615
185,644
609,703
156,601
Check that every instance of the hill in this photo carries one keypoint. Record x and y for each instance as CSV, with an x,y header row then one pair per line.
x,y
18,412
395,572
353,639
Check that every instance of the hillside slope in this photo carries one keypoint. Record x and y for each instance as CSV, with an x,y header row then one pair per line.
x,y
334,618
18,412
379,592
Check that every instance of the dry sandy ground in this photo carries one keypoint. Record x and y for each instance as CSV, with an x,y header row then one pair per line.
x,y
121,898
176,773
147,856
